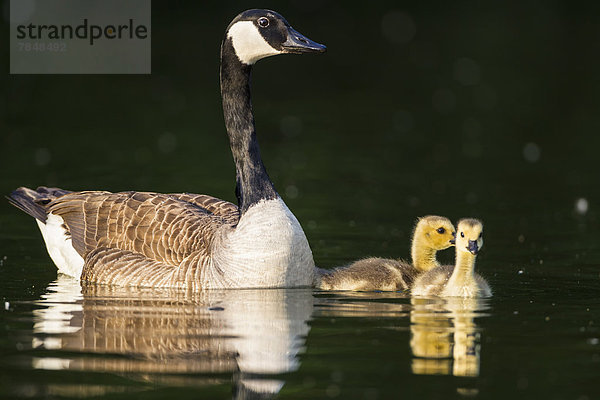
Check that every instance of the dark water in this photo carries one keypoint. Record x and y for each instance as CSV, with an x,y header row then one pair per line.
x,y
457,109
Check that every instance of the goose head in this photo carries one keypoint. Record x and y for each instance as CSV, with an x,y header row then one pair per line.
x,y
256,34
469,237
438,232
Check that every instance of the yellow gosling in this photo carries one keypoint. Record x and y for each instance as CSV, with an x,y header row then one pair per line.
x,y
431,234
459,280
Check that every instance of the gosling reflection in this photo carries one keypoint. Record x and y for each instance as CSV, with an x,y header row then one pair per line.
x,y
166,336
349,304
445,339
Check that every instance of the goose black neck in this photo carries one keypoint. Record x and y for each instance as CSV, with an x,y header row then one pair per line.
x,y
252,182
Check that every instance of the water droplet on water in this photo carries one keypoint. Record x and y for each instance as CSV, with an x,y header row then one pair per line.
x,y
532,152
581,206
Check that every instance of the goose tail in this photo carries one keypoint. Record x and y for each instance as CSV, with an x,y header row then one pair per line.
x,y
33,202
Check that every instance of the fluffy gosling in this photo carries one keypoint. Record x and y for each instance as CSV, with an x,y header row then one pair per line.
x,y
459,280
431,234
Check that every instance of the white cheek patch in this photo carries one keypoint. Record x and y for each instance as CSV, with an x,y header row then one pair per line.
x,y
248,43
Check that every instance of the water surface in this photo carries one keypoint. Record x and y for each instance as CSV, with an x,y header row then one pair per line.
x,y
469,109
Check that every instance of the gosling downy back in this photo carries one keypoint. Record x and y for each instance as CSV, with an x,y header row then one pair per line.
x,y
431,233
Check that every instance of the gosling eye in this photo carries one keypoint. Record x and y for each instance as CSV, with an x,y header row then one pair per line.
x,y
441,231
480,235
462,234
263,22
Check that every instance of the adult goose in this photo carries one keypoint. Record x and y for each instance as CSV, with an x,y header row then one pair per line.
x,y
188,240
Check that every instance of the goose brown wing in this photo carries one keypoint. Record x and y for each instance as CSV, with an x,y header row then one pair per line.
x,y
125,268
160,227
228,211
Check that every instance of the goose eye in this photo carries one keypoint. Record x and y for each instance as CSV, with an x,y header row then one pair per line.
x,y
462,234
263,22
440,230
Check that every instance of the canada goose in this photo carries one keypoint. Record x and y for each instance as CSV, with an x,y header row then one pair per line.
x,y
459,280
189,240
431,234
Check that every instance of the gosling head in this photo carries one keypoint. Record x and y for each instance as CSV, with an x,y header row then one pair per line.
x,y
256,34
438,232
469,236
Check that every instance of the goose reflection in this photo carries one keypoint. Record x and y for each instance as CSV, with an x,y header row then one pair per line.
x,y
445,339
173,337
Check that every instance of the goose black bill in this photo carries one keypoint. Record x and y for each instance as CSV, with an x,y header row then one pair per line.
x,y
473,248
298,43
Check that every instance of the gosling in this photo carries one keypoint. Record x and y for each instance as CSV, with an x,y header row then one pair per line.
x,y
431,234
459,280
